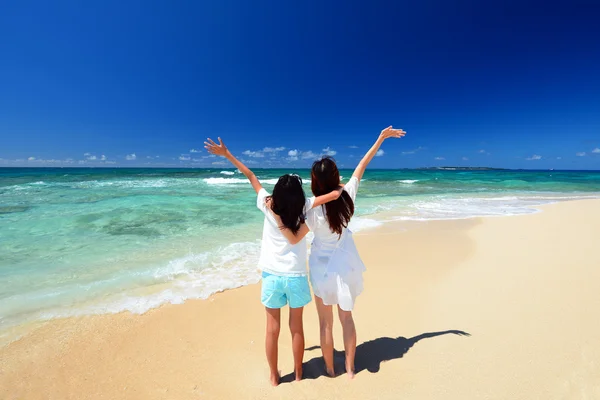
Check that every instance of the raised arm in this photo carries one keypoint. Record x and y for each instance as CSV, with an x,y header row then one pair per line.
x,y
386,133
222,150
326,198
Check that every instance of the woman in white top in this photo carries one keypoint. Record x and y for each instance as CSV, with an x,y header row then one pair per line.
x,y
335,265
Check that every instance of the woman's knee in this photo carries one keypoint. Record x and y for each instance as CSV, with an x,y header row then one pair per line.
x,y
296,323
273,328
345,316
296,326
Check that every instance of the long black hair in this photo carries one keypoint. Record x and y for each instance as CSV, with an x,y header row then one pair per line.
x,y
288,201
325,177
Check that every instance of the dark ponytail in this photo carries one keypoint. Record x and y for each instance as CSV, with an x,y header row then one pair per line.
x,y
325,178
288,201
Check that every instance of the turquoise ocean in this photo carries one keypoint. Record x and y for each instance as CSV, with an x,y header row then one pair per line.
x,y
91,241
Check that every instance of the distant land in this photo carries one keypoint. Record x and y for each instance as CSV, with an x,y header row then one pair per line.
x,y
464,168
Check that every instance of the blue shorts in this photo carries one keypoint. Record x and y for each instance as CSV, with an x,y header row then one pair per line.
x,y
277,291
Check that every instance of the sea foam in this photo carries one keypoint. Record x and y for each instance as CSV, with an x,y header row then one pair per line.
x,y
194,276
358,224
238,181
225,181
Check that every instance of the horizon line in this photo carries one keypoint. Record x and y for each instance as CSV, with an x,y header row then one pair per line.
x,y
444,168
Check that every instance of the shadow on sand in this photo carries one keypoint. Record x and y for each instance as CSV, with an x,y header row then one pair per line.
x,y
369,355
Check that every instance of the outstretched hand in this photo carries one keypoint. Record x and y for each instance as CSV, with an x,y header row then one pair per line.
x,y
216,149
390,132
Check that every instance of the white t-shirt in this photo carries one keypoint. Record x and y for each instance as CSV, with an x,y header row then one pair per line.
x,y
277,255
316,219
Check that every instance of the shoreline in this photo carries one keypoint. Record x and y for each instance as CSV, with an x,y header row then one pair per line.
x,y
524,288
382,221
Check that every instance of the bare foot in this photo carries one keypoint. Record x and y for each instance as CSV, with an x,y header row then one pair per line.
x,y
330,372
298,372
274,379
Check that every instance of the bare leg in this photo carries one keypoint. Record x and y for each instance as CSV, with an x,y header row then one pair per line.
x,y
326,327
273,322
349,331
297,330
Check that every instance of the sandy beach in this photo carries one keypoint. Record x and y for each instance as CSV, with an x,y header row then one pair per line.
x,y
485,308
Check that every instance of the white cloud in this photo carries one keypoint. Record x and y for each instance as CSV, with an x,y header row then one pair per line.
x,y
295,155
31,159
465,159
559,158
184,157
596,150
580,154
329,151
353,147
273,149
194,151
130,157
413,151
308,154
379,153
534,157
219,163
439,158
481,151
255,154
92,157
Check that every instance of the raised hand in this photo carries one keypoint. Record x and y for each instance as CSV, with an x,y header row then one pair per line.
x,y
216,149
222,150
390,132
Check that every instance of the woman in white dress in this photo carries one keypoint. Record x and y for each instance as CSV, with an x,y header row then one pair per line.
x,y
335,265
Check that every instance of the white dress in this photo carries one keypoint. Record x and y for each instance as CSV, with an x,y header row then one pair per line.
x,y
335,265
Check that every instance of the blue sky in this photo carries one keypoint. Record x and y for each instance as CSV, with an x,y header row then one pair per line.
x,y
136,83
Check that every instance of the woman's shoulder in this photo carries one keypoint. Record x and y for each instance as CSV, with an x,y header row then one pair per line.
x,y
352,187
